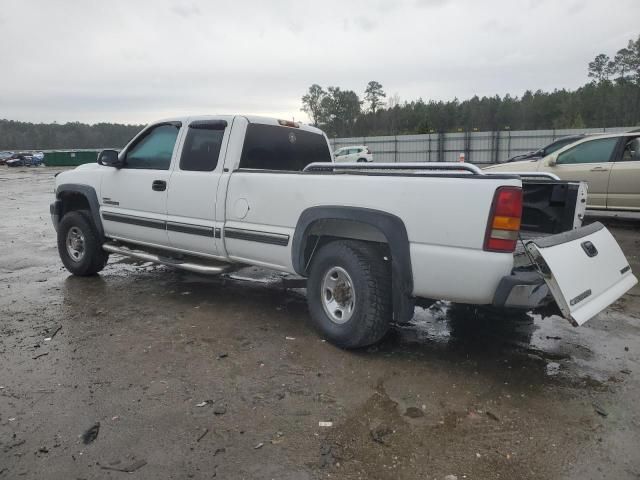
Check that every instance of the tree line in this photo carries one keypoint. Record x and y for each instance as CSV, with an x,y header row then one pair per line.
x,y
611,98
51,136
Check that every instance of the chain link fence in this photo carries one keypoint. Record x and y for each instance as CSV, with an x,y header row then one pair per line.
x,y
477,147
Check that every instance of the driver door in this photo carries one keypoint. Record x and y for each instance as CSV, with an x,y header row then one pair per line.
x,y
133,199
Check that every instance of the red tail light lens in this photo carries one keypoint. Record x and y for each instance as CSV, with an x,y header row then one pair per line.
x,y
504,220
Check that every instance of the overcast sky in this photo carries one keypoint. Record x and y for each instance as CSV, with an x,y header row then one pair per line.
x,y
138,60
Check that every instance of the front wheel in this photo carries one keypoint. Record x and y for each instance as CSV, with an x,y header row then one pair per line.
x,y
78,244
349,293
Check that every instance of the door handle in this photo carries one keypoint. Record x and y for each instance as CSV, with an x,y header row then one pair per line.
x,y
159,185
598,169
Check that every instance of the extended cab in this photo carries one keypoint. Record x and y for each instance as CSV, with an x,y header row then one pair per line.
x,y
211,194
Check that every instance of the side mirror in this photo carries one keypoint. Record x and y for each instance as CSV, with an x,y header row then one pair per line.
x,y
109,158
553,161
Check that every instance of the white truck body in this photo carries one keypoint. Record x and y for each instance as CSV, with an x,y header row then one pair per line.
x,y
435,222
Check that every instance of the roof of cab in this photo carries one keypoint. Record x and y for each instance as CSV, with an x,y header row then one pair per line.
x,y
249,118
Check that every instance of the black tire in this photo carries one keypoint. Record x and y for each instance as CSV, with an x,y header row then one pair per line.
x,y
94,258
362,160
371,278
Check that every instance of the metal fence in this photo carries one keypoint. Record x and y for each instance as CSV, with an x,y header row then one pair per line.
x,y
478,147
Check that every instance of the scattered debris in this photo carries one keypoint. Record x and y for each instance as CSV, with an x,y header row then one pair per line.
x,y
553,337
43,450
223,355
492,416
40,355
14,445
206,430
219,450
413,412
325,424
379,433
600,411
553,368
219,410
326,455
128,469
626,349
626,371
205,403
55,332
91,434
289,338
450,477
259,445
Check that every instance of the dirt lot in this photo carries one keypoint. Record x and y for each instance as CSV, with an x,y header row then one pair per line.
x,y
194,377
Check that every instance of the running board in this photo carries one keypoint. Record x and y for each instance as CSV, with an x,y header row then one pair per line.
x,y
172,262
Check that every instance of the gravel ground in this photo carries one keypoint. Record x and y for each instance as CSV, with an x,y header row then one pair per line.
x,y
165,374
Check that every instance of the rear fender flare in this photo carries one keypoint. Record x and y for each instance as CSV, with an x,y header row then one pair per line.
x,y
395,233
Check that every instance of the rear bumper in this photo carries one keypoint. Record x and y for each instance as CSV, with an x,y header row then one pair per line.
x,y
522,290
55,209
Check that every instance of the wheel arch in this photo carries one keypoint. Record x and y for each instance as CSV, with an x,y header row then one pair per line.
x,y
74,196
355,223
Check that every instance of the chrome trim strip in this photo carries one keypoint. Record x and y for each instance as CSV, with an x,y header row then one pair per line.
x,y
257,236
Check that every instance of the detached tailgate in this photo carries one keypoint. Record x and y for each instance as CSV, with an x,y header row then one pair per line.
x,y
585,270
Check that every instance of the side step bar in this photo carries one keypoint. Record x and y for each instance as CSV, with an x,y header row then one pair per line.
x,y
209,269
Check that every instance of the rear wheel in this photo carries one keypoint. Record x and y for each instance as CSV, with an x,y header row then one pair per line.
x,y
362,160
349,293
78,244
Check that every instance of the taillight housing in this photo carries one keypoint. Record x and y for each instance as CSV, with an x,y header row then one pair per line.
x,y
505,216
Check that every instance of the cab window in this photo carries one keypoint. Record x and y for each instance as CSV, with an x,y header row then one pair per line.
x,y
153,151
593,151
202,146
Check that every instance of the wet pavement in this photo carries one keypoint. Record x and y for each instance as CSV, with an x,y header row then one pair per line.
x,y
165,374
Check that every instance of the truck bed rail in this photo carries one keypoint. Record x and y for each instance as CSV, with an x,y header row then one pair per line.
x,y
450,166
545,175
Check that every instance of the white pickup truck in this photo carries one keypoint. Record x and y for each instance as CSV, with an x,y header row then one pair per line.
x,y
215,193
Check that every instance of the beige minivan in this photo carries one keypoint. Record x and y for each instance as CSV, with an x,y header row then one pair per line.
x,y
609,163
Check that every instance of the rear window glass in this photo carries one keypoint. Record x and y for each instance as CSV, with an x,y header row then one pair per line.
x,y
270,147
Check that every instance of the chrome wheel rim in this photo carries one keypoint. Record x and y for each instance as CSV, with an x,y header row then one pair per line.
x,y
75,244
338,295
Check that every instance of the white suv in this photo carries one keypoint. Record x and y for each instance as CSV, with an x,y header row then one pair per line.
x,y
358,153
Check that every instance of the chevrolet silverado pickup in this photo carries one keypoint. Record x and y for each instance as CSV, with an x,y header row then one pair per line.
x,y
211,194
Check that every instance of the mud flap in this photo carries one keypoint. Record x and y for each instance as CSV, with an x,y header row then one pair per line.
x,y
585,270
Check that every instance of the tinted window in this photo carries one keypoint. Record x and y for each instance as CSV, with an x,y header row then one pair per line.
x,y
269,147
631,151
559,144
202,146
594,151
154,150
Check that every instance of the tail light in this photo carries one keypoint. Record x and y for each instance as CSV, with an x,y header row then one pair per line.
x,y
369,150
504,220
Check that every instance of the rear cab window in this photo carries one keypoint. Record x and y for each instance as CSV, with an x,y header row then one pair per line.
x,y
279,148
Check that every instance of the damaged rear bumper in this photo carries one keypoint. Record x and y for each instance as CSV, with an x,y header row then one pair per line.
x,y
522,289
